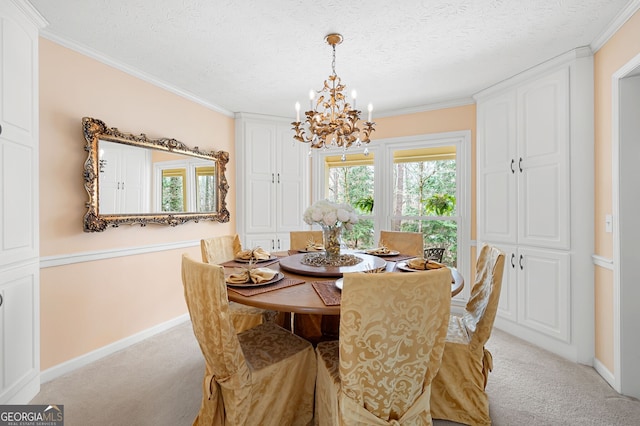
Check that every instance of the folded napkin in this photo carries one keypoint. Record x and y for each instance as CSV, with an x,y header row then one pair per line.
x,y
379,250
254,275
257,254
313,246
424,264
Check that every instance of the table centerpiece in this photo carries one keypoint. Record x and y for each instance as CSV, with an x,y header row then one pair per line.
x,y
332,218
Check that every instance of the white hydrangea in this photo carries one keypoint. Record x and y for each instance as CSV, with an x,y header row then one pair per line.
x,y
327,213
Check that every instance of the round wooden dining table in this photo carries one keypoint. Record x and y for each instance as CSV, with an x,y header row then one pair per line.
x,y
303,298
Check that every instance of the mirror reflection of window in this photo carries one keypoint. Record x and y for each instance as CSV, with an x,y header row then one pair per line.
x,y
205,189
174,190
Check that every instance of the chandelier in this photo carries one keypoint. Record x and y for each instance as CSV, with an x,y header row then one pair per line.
x,y
332,121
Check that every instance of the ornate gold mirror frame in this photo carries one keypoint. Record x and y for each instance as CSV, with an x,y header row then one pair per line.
x,y
96,130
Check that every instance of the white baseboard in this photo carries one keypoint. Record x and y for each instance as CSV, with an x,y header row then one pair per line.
x,y
75,363
605,373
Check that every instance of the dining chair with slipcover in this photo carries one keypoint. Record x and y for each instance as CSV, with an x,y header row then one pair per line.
x,y
411,243
300,240
222,249
434,253
458,390
392,331
262,376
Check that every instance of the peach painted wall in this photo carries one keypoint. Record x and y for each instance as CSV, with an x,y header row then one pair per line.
x,y
619,49
85,306
436,121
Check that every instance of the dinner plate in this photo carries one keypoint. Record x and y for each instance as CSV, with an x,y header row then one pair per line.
x,y
277,277
339,283
404,267
391,253
272,257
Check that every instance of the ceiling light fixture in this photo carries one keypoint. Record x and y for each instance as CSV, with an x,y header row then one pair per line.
x,y
331,120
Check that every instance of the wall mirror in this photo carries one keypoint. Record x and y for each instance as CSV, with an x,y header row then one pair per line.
x,y
132,179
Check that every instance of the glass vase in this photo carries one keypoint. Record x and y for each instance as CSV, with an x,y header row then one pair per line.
x,y
332,239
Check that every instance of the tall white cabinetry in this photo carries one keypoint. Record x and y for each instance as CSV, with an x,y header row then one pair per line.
x,y
535,200
273,181
19,242
124,179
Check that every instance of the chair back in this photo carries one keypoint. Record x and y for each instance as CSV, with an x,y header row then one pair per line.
x,y
434,253
405,242
480,311
392,334
205,291
298,239
220,249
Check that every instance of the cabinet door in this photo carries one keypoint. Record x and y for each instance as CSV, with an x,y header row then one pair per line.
x,y
508,305
543,291
18,137
543,156
292,193
135,177
260,174
19,317
497,201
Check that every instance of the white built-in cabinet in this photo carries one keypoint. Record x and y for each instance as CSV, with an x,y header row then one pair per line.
x,y
124,178
19,238
273,181
535,200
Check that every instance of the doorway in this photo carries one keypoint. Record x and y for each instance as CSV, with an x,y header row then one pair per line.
x,y
626,204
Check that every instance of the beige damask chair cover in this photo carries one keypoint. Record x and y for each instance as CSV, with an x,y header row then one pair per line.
x,y
392,331
298,240
221,249
404,242
262,376
458,391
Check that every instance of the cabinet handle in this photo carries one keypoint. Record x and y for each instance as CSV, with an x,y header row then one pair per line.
x,y
118,185
0,129
273,245
272,178
520,164
521,267
1,300
278,243
278,182
512,164
123,186
513,258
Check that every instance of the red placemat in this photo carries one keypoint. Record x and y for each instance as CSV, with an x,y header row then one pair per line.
x,y
328,292
235,264
252,291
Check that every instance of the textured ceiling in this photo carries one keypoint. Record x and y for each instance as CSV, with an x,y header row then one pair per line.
x,y
262,56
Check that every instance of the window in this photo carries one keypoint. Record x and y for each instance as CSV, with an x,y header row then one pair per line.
x,y
174,190
416,184
185,186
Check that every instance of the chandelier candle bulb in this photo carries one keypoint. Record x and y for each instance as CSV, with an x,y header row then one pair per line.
x,y
312,96
370,108
353,95
297,112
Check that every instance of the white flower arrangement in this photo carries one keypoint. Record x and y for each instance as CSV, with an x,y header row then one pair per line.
x,y
328,213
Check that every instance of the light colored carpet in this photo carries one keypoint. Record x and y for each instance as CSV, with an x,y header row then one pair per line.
x,y
157,382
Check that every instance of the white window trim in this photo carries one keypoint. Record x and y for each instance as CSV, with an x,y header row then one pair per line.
x,y
382,149
190,168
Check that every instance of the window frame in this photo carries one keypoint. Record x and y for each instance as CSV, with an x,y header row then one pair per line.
x,y
383,149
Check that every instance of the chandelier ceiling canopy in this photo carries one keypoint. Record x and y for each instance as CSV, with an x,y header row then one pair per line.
x,y
331,120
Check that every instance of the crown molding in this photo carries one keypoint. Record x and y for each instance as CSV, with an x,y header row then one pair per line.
x,y
133,71
31,12
429,107
617,22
